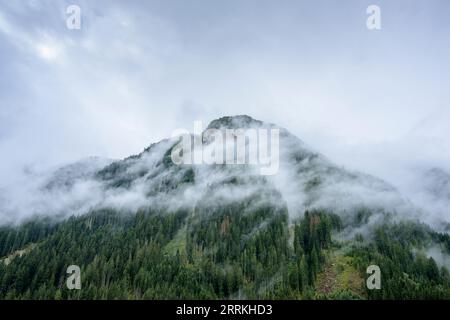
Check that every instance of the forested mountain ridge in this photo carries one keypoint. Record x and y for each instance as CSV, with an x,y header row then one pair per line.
x,y
145,228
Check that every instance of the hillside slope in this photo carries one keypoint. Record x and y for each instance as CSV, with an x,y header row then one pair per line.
x,y
146,228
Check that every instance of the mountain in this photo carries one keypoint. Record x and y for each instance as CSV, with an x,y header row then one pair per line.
x,y
147,228
305,179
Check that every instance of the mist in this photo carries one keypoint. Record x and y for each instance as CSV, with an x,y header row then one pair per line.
x,y
306,180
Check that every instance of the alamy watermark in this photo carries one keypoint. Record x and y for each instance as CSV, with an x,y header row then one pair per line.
x,y
373,21
74,280
374,280
73,21
258,147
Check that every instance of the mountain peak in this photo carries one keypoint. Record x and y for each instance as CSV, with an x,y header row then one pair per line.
x,y
238,121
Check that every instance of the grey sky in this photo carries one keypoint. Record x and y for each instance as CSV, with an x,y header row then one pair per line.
x,y
372,100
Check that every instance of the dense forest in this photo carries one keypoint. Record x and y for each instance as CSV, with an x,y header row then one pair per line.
x,y
224,252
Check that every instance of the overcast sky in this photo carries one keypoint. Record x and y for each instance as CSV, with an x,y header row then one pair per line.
x,y
371,100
